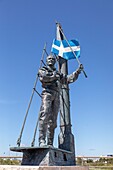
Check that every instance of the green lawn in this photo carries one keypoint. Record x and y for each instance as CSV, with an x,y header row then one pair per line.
x,y
100,168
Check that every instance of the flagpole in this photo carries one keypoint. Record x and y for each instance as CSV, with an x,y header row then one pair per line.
x,y
73,52
65,137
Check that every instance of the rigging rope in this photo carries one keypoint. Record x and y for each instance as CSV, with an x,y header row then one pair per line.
x,y
31,98
34,136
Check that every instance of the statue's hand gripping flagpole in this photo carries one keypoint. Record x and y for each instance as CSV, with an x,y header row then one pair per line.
x,y
80,65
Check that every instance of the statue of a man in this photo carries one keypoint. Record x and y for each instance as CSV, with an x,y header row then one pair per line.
x,y
50,79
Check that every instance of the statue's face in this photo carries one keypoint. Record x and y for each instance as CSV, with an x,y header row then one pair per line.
x,y
50,61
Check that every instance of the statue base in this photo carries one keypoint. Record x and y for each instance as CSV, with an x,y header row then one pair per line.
x,y
45,156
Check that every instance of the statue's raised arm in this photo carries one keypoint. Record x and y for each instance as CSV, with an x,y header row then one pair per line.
x,y
74,76
71,77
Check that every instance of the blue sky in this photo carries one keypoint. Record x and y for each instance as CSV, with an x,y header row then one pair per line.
x,y
25,25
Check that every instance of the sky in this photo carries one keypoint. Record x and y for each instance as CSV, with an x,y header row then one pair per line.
x,y
25,26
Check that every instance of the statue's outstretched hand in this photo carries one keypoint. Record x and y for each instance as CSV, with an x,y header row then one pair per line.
x,y
81,67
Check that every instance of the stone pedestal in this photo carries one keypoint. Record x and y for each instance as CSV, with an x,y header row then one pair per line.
x,y
45,156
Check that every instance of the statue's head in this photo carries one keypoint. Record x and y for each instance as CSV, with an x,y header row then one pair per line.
x,y
50,60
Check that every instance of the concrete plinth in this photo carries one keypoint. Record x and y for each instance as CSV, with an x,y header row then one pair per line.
x,y
13,167
45,156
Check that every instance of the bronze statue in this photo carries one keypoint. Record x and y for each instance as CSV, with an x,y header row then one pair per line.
x,y
50,79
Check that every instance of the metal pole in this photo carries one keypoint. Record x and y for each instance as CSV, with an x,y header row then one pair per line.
x,y
66,138
31,98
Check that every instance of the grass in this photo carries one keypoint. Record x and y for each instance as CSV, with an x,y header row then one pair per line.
x,y
100,168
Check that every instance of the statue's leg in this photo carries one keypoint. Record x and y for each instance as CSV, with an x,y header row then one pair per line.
x,y
53,119
45,111
42,133
50,133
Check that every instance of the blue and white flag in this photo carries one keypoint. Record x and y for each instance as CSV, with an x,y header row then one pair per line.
x,y
68,50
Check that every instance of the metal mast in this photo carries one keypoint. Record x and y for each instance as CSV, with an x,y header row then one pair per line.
x,y
65,138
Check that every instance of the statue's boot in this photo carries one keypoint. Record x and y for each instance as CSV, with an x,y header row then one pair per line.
x,y
42,136
50,137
